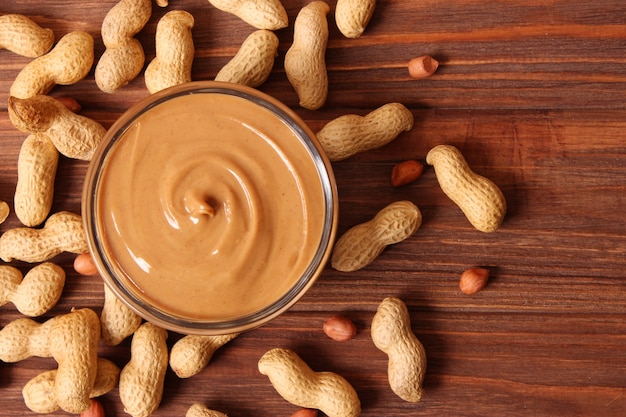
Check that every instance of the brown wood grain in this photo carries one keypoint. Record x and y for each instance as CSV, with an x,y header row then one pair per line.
x,y
533,94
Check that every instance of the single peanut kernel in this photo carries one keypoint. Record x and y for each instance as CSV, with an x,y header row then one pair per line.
x,y
95,409
422,66
84,265
473,280
305,412
70,103
406,172
339,328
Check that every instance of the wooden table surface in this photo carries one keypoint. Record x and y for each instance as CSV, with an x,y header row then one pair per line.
x,y
532,92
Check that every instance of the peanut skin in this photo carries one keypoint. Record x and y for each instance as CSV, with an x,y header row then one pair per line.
x,y
67,63
406,172
124,56
62,232
392,334
191,354
117,320
84,265
73,135
473,280
71,339
297,383
422,66
71,103
35,293
20,35
39,392
261,14
479,198
305,60
253,62
351,134
352,16
174,52
361,244
141,380
339,328
36,170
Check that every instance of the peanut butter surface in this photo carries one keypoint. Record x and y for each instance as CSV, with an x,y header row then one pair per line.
x,y
211,207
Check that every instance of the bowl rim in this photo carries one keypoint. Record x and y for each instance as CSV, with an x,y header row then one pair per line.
x,y
89,208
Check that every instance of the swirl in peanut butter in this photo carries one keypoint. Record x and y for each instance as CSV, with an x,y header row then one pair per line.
x,y
210,207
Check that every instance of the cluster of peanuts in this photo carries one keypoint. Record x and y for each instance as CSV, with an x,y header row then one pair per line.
x,y
54,128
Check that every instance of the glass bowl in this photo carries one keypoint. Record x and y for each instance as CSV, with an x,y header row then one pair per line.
x,y
209,208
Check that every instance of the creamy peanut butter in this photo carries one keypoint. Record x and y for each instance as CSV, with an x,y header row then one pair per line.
x,y
210,207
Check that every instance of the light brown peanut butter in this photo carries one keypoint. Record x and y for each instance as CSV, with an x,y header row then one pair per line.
x,y
211,207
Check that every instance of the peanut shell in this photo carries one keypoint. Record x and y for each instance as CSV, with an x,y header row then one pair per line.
x,y
191,354
479,198
174,52
253,62
392,334
73,135
141,380
261,14
20,35
353,16
350,134
124,57
117,320
36,171
361,244
305,60
67,63
62,232
297,383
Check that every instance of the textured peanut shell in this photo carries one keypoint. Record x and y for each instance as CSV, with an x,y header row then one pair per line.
x,y
350,134
62,232
73,135
35,293
67,63
36,170
141,380
262,14
479,198
40,392
298,384
23,338
174,52
392,334
74,341
191,354
353,16
20,35
124,56
305,60
4,211
71,339
200,410
363,243
117,320
10,279
253,62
